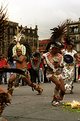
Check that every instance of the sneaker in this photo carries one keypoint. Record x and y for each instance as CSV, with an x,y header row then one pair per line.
x,y
55,103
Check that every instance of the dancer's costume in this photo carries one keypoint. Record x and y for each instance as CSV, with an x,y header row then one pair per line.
x,y
56,38
5,100
26,50
50,66
69,69
54,71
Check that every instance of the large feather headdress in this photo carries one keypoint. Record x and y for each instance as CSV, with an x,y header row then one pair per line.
x,y
57,35
18,44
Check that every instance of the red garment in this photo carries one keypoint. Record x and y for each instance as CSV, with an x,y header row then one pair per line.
x,y
41,65
29,65
3,63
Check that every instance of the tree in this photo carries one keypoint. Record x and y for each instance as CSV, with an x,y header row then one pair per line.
x,y
3,22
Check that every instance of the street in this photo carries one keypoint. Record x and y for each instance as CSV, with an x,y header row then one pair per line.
x,y
26,105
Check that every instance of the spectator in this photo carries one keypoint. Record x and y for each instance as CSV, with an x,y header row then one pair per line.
x,y
34,67
3,64
78,65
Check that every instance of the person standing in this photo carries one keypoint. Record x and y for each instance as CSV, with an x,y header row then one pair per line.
x,y
3,64
78,66
34,67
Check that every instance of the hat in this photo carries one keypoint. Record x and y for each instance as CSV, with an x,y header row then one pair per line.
x,y
68,59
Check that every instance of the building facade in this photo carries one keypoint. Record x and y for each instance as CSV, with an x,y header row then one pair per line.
x,y
10,31
31,36
73,31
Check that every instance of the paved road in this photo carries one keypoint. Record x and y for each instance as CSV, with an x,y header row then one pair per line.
x,y
28,106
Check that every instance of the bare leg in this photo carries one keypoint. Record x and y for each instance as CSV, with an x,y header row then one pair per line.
x,y
35,86
11,83
27,80
59,90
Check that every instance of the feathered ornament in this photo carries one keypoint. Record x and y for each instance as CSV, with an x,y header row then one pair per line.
x,y
57,35
18,44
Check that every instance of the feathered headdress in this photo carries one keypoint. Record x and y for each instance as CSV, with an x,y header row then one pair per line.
x,y
57,34
17,44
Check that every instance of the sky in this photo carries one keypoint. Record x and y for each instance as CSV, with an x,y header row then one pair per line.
x,y
46,14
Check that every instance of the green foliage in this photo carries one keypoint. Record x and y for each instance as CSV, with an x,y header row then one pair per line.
x,y
68,108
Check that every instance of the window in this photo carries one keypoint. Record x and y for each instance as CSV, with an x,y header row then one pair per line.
x,y
11,30
76,30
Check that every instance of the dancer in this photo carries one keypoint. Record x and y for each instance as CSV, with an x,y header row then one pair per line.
x,y
5,100
69,49
21,64
54,61
69,73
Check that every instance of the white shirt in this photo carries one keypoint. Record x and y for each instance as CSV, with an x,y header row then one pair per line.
x,y
65,52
